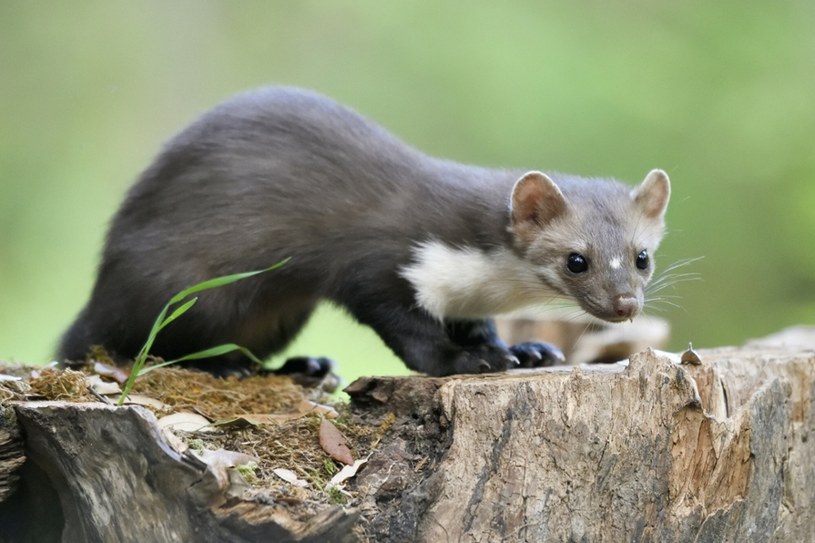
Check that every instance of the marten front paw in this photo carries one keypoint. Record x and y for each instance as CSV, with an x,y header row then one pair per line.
x,y
533,354
485,359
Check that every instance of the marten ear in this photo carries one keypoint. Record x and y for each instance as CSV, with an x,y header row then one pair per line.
x,y
652,196
536,200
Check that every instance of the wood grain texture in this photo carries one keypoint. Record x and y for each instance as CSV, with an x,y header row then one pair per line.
x,y
654,451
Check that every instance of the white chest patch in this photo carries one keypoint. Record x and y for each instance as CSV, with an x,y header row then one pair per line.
x,y
470,283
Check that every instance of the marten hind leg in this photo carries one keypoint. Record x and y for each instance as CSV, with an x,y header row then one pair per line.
x,y
264,331
306,370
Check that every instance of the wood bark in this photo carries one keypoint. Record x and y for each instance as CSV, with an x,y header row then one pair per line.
x,y
648,450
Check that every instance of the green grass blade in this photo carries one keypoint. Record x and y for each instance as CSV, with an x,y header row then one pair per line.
x,y
219,350
177,312
221,281
162,320
151,337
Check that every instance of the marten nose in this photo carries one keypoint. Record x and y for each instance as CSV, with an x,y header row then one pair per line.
x,y
626,306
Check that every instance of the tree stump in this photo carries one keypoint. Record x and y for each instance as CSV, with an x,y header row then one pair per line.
x,y
715,448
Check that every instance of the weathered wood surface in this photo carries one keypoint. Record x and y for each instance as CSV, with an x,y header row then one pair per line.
x,y
649,451
654,451
12,455
118,479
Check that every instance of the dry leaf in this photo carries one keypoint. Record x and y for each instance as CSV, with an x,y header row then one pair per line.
x,y
223,457
335,443
307,407
185,422
117,374
256,419
290,477
95,383
346,473
691,357
146,401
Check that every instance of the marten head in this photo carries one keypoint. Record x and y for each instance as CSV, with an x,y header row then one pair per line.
x,y
592,240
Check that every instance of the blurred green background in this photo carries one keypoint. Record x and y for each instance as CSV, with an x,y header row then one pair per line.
x,y
719,94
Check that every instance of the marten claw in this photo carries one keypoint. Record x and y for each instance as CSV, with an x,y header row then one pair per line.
x,y
533,354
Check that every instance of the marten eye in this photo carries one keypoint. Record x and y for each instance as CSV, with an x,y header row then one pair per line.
x,y
643,260
577,263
